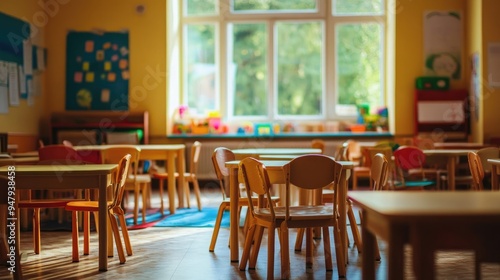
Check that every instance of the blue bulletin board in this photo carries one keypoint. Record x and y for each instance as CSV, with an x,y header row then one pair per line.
x,y
97,71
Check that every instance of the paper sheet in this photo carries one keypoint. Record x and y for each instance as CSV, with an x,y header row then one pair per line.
x,y
13,85
28,57
4,100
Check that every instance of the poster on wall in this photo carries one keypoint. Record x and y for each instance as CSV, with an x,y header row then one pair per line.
x,y
97,71
443,44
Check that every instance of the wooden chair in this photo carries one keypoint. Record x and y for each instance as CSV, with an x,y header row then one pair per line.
x,y
356,154
189,177
50,154
136,182
410,162
219,157
379,173
318,144
484,154
309,172
477,171
4,234
114,211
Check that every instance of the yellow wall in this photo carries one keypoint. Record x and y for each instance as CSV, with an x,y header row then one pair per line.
x,y
23,118
148,55
409,55
147,42
491,96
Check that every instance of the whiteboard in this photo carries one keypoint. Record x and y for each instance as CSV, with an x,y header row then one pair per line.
x,y
441,112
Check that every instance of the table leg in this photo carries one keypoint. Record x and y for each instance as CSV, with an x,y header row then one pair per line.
x,y
494,177
233,214
395,252
368,249
103,223
451,173
341,200
171,182
181,167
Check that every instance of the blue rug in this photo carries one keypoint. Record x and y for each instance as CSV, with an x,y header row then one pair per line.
x,y
191,217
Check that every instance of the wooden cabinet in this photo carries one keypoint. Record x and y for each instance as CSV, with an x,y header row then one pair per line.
x,y
90,127
442,111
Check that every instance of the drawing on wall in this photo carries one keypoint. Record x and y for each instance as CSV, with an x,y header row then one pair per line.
x,y
97,71
443,44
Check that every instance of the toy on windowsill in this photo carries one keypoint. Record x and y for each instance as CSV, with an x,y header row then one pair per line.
x,y
182,120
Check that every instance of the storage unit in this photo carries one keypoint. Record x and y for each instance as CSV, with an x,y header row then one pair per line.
x,y
90,127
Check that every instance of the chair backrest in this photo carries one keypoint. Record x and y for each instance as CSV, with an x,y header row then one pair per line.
x,y
352,150
257,182
379,171
318,144
195,157
58,154
486,153
114,154
476,170
130,137
409,157
219,157
120,180
310,172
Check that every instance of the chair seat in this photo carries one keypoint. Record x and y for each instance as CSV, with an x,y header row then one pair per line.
x,y
320,212
83,205
44,203
413,184
140,178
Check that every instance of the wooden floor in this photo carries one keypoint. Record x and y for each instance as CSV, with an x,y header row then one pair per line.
x,y
182,253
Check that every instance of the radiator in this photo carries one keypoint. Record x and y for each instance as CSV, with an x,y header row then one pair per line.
x,y
206,169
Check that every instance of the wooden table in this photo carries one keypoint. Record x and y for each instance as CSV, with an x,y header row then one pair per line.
x,y
173,154
426,220
243,153
90,176
276,174
459,145
19,161
495,165
452,155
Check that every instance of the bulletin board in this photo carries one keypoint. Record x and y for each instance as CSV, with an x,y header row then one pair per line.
x,y
444,111
97,71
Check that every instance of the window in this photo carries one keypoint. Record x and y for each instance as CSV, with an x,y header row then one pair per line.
x,y
279,60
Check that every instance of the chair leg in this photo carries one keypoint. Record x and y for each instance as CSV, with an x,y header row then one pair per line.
x,y
257,240
298,241
328,249
187,193
118,240
270,252
354,227
86,232
161,195
136,203
285,252
74,236
144,202
126,238
247,247
36,230
309,247
218,221
196,188
339,252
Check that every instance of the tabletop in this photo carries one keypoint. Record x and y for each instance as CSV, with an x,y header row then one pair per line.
x,y
425,205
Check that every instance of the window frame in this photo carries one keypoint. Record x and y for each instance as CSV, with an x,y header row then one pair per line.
x,y
323,13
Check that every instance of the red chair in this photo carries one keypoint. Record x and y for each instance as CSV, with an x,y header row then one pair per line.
x,y
411,168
